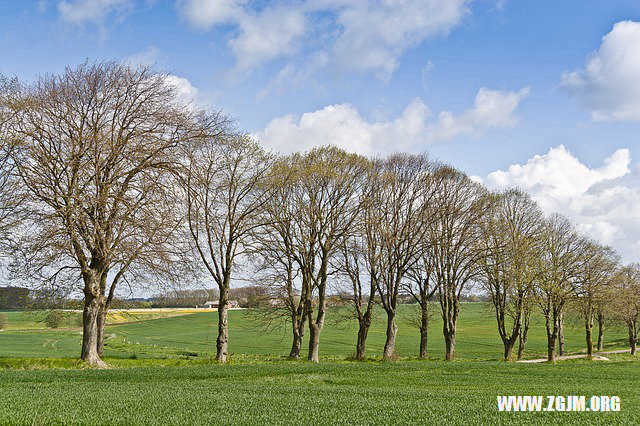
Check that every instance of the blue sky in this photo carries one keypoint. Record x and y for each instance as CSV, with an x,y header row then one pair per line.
x,y
543,95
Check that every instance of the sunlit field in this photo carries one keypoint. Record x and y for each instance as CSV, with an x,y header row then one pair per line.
x,y
182,334
162,372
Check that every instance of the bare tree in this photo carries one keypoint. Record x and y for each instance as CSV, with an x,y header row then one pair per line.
x,y
422,287
359,259
329,181
9,199
558,264
509,238
224,191
398,225
362,276
627,302
94,146
523,333
601,318
597,265
323,197
421,283
453,243
275,252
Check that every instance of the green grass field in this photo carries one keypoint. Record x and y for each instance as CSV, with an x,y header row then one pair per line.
x,y
163,373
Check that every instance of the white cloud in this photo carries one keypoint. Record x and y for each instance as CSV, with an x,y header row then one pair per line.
x,y
342,125
560,175
492,108
146,58
268,35
204,14
603,201
92,11
262,35
376,33
355,34
185,92
610,83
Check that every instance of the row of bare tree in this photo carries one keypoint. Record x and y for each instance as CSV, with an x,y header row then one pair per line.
x,y
108,179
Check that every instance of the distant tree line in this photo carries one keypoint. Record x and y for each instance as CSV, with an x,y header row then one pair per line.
x,y
14,298
108,179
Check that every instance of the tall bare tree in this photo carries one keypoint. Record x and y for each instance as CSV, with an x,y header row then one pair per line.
x,y
509,238
223,181
94,147
595,272
329,181
359,259
421,283
558,268
8,194
453,243
523,333
362,276
422,287
274,252
602,319
627,301
398,226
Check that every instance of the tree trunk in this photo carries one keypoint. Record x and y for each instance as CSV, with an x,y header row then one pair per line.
x,y
508,348
561,334
315,327
450,307
424,330
90,314
297,341
450,343
314,342
100,323
392,331
223,326
552,334
551,348
363,330
600,331
588,326
522,336
633,338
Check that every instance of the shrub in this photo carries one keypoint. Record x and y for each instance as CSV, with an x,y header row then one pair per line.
x,y
54,319
4,321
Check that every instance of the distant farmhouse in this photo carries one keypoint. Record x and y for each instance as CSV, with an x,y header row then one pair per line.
x,y
213,304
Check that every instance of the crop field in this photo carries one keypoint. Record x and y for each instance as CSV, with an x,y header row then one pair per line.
x,y
162,373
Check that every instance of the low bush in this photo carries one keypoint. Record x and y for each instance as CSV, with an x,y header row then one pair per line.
x,y
54,319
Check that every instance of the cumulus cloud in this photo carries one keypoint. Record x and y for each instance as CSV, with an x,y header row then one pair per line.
x,y
355,34
491,108
262,35
609,85
185,92
92,11
603,201
204,14
343,126
268,35
375,33
146,58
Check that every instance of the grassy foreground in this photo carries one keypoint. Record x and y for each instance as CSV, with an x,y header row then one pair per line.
x,y
163,374
459,392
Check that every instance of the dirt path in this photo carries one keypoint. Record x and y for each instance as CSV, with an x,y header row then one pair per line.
x,y
597,356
